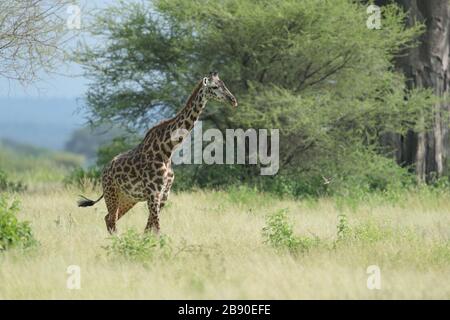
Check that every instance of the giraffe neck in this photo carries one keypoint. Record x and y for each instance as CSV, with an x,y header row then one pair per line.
x,y
186,118
173,131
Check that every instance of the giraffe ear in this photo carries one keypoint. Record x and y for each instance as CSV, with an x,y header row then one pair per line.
x,y
214,75
205,81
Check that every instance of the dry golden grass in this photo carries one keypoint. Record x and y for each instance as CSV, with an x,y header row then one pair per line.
x,y
219,252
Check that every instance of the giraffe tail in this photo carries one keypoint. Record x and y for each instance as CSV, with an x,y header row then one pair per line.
x,y
85,202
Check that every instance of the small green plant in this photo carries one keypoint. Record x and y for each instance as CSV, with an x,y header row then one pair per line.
x,y
279,234
364,233
342,227
139,247
370,232
13,233
8,186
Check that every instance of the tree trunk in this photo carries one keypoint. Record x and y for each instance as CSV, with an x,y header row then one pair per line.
x,y
427,66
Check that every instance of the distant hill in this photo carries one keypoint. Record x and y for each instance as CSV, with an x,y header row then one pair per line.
x,y
43,122
22,149
22,162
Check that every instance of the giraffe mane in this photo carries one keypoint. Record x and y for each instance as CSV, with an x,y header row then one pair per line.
x,y
194,93
188,104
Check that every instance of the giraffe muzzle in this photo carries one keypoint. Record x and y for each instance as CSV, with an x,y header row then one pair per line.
x,y
232,101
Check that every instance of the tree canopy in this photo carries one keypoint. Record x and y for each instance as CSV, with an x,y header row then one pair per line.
x,y
312,69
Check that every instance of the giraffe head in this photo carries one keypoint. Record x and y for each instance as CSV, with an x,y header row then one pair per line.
x,y
216,89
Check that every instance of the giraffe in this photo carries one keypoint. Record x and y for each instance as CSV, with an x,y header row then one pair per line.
x,y
145,173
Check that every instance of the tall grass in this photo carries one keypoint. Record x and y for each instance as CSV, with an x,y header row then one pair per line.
x,y
218,248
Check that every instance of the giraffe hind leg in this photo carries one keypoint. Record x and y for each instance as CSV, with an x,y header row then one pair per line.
x,y
118,209
124,206
112,204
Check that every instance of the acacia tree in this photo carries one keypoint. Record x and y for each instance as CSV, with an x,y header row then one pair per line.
x,y
31,33
309,68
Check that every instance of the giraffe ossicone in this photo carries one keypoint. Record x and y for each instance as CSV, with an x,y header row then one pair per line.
x,y
145,173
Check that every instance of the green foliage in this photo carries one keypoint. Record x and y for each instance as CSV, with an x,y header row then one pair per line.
x,y
350,175
91,176
370,233
13,233
342,227
106,153
213,176
83,178
30,164
8,186
311,69
367,233
139,247
17,157
87,140
279,234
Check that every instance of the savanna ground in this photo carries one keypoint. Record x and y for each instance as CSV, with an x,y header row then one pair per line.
x,y
214,248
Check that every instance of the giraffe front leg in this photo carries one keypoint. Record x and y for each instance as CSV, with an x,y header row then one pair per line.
x,y
153,208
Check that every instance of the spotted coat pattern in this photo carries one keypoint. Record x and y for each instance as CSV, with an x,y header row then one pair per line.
x,y
145,172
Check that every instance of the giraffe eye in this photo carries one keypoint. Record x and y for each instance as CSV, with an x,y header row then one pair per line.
x,y
214,87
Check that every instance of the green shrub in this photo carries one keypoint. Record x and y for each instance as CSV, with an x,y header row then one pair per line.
x,y
342,227
352,177
118,145
32,165
366,233
368,171
214,176
82,178
8,186
370,232
279,234
139,247
91,176
66,159
13,233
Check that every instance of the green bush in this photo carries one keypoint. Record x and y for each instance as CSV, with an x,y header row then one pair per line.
x,y
351,176
367,233
215,176
279,234
82,178
13,233
342,227
118,145
139,247
66,159
8,186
